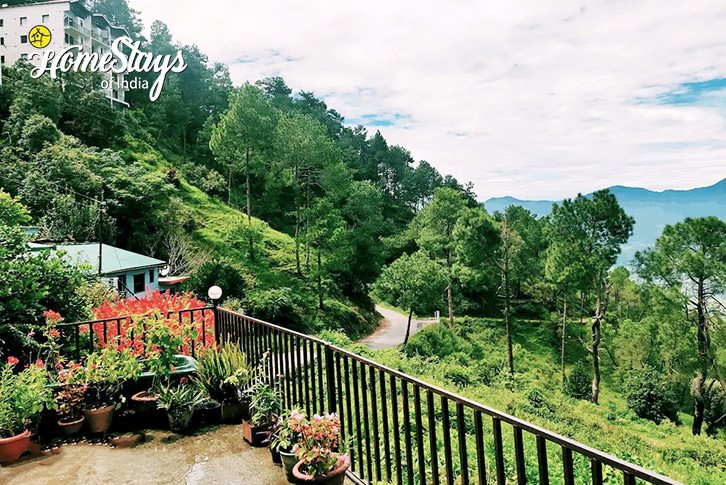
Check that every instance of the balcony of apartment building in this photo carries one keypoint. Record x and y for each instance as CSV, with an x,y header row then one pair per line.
x,y
75,27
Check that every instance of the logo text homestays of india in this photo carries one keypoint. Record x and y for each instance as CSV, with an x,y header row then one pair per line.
x,y
125,57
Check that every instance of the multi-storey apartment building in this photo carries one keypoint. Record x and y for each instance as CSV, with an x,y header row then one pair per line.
x,y
70,23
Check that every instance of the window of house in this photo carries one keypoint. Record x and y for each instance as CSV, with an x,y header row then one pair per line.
x,y
23,20
115,94
2,59
46,17
151,276
139,283
23,39
2,40
24,57
2,23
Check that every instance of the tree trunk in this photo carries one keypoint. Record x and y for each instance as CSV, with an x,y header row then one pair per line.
x,y
510,354
564,333
229,186
448,291
307,226
408,328
320,281
596,328
297,223
249,211
699,406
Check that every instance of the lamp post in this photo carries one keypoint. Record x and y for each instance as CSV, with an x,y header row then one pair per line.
x,y
215,293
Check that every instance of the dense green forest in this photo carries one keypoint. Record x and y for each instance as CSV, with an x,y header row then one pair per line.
x,y
305,221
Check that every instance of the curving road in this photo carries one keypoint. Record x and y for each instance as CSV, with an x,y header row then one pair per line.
x,y
392,329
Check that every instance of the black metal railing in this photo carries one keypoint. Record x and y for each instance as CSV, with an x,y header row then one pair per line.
x,y
88,336
399,429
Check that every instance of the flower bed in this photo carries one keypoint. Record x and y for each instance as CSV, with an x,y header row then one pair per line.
x,y
166,308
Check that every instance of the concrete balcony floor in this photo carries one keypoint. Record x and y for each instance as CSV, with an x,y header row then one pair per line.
x,y
211,456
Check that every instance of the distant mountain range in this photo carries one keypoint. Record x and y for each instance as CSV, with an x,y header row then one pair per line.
x,y
652,210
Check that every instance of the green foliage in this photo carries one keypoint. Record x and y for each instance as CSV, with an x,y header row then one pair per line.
x,y
180,398
278,305
24,395
337,315
266,403
647,394
412,282
579,382
221,273
224,372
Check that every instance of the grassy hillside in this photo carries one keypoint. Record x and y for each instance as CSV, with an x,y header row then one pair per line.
x,y
271,275
471,360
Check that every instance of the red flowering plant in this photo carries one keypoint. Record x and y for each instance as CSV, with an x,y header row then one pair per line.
x,y
119,316
317,442
162,339
52,335
23,396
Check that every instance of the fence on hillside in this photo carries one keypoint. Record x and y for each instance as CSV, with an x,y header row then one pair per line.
x,y
399,429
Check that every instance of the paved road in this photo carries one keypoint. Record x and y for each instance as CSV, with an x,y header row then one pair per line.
x,y
392,329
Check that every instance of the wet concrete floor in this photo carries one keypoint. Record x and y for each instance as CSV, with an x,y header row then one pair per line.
x,y
213,456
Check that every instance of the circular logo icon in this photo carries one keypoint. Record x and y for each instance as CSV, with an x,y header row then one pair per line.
x,y
39,36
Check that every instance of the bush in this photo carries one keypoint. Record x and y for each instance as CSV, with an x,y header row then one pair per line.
x,y
277,305
648,395
579,383
220,273
336,315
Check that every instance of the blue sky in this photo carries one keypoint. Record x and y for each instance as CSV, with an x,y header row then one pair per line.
x,y
531,99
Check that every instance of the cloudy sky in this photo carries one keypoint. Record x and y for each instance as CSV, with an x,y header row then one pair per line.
x,y
529,98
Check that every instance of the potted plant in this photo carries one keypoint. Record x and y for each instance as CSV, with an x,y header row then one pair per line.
x,y
317,460
208,412
22,397
179,402
159,339
265,408
284,437
103,373
70,408
224,372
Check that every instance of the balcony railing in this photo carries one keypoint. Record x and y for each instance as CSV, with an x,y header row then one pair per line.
x,y
72,24
395,427
402,430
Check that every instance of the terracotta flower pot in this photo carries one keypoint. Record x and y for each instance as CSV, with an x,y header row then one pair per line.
x,y
254,434
289,460
71,427
99,420
335,477
11,448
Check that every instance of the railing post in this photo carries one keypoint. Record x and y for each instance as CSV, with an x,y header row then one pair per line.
x,y
216,324
330,378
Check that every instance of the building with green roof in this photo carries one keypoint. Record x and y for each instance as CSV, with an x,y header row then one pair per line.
x,y
129,272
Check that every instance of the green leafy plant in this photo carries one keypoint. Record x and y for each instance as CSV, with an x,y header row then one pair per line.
x,y
224,371
647,394
22,396
579,383
284,436
266,403
103,373
180,398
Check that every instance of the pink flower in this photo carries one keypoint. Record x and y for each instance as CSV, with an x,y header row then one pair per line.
x,y
39,363
12,360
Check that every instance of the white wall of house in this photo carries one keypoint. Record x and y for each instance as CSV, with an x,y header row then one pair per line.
x,y
67,27
149,276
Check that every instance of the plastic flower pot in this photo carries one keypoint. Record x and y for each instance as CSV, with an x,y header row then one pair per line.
x,y
335,477
71,426
207,416
11,448
180,420
235,411
254,435
276,458
145,406
99,420
289,460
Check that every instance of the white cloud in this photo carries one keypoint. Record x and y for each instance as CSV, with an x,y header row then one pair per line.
x,y
531,99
